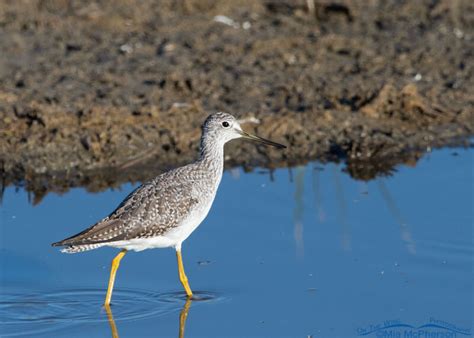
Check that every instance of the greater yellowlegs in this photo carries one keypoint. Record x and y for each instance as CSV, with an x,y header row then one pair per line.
x,y
166,210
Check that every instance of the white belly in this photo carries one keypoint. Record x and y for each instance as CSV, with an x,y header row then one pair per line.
x,y
139,244
180,233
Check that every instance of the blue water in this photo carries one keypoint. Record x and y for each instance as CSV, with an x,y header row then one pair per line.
x,y
310,253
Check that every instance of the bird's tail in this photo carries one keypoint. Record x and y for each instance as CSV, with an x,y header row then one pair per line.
x,y
78,248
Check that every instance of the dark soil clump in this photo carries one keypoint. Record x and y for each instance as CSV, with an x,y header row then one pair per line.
x,y
96,93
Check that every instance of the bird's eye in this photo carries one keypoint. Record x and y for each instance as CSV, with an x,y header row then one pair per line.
x,y
225,124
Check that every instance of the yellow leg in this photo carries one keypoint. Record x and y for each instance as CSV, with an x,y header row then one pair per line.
x,y
182,275
113,271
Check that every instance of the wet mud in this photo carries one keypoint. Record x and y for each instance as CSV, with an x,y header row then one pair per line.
x,y
97,93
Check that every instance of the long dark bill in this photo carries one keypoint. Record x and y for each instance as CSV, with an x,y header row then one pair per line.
x,y
261,140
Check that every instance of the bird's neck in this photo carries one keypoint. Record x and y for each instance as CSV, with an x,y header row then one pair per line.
x,y
212,154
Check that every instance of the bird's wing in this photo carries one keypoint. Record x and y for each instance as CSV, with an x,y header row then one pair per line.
x,y
151,210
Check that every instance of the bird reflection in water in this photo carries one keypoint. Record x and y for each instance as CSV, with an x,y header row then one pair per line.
x,y
110,317
182,319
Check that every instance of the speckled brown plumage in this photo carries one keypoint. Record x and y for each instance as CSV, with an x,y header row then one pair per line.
x,y
152,209
171,205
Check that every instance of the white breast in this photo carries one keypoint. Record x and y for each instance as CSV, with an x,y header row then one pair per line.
x,y
180,233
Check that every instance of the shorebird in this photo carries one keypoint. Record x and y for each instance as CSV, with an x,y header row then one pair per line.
x,y
163,212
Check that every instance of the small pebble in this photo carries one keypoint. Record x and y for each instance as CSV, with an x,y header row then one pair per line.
x,y
458,33
126,48
226,21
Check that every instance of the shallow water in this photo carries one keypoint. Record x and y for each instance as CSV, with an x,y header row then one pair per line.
x,y
304,251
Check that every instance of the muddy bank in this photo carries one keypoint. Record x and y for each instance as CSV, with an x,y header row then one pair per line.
x,y
97,93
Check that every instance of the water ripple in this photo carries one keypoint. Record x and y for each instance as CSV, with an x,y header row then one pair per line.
x,y
39,312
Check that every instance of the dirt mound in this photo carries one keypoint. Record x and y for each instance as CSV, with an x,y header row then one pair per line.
x,y
96,93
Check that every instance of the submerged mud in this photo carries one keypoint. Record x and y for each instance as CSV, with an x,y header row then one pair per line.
x,y
97,93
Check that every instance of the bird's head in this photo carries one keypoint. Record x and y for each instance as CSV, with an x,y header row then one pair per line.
x,y
225,127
